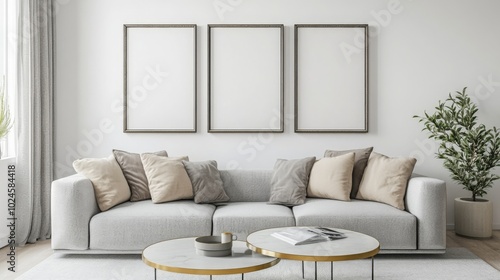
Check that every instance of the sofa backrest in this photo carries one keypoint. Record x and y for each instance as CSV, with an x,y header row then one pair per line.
x,y
247,185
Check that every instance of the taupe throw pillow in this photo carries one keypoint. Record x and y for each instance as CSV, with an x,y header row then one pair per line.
x,y
289,181
110,186
331,177
167,178
133,171
206,181
360,160
385,179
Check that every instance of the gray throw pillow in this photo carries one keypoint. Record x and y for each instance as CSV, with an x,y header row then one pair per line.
x,y
289,181
133,171
206,181
360,160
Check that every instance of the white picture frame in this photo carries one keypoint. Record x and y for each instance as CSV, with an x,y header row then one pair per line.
x,y
331,78
160,78
245,78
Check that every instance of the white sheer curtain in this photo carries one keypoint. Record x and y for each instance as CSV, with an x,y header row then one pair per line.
x,y
34,85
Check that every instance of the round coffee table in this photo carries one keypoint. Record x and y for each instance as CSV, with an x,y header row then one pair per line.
x,y
179,255
355,246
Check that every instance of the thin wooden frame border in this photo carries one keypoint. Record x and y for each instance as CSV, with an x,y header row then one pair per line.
x,y
296,76
209,84
195,78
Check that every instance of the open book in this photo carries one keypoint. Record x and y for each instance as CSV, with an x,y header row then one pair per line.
x,y
307,235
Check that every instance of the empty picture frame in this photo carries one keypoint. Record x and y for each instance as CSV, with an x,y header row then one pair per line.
x,y
331,77
159,78
245,78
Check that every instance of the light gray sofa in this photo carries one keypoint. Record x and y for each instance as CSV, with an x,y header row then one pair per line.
x,y
78,226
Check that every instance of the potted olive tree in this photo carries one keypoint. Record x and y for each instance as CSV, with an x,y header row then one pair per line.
x,y
470,151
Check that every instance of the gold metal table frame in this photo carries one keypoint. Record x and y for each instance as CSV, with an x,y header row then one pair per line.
x,y
354,247
179,256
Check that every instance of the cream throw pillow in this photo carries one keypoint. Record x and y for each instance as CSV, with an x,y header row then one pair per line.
x,y
167,178
361,157
331,177
110,186
385,179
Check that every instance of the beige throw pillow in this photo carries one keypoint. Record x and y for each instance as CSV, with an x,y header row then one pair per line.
x,y
167,178
385,179
331,177
110,186
360,160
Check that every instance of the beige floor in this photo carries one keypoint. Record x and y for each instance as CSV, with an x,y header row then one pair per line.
x,y
26,257
32,254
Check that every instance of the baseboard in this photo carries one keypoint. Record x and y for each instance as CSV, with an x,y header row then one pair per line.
x,y
452,226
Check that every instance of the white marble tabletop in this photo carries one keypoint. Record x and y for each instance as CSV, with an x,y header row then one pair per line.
x,y
355,246
179,255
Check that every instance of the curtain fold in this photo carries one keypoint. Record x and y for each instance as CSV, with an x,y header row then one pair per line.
x,y
34,83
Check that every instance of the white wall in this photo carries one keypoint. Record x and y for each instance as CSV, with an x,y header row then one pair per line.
x,y
419,52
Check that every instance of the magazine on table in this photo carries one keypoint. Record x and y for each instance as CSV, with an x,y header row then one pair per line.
x,y
308,235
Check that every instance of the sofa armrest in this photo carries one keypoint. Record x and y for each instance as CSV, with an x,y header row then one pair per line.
x,y
426,199
73,204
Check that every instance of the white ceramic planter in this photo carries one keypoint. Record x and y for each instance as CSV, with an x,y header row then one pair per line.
x,y
473,218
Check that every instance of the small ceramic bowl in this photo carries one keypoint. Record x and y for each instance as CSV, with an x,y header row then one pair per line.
x,y
210,246
214,253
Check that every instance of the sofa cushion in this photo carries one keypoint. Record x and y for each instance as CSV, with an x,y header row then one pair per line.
x,y
206,181
331,177
110,186
135,225
385,179
243,218
167,178
360,160
393,228
247,185
289,181
132,169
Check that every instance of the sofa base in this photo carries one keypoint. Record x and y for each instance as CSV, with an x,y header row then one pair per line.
x,y
138,252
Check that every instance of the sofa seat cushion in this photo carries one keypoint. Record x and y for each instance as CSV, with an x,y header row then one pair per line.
x,y
393,228
135,225
243,218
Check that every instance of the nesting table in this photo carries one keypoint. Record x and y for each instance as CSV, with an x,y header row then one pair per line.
x,y
355,246
261,251
179,255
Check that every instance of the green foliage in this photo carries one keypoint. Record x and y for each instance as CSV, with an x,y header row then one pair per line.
x,y
469,150
5,119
